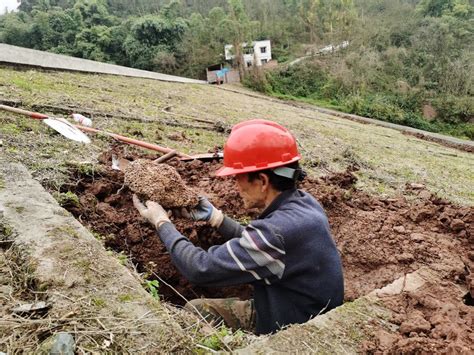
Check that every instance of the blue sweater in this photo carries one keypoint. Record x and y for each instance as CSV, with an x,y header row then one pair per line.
x,y
287,254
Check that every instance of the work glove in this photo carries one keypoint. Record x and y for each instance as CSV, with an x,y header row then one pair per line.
x,y
152,211
205,211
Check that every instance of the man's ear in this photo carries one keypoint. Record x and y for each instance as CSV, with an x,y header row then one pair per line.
x,y
265,181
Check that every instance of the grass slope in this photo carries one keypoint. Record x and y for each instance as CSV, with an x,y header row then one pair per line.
x,y
388,159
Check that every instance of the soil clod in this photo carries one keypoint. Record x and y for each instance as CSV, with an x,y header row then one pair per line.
x,y
160,183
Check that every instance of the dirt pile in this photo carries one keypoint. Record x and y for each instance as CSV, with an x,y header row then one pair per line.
x,y
380,240
431,320
160,183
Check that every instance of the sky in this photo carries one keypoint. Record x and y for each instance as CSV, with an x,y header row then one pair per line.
x,y
10,4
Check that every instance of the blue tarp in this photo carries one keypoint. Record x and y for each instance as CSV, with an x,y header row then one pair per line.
x,y
221,73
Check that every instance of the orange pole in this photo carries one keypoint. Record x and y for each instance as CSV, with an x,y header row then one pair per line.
x,y
132,141
124,139
24,112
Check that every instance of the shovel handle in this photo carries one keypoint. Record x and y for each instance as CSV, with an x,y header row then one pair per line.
x,y
34,115
166,157
132,141
124,139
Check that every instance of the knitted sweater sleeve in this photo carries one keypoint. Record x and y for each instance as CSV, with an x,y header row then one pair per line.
x,y
256,255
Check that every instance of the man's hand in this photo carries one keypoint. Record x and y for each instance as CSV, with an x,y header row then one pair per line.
x,y
205,211
153,212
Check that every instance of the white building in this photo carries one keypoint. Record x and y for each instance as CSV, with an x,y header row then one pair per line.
x,y
259,52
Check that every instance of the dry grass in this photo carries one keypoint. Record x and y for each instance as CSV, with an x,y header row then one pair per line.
x,y
87,318
388,159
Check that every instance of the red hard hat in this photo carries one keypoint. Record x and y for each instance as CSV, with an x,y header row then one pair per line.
x,y
258,145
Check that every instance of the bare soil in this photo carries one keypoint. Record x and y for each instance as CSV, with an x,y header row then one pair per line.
x,y
380,240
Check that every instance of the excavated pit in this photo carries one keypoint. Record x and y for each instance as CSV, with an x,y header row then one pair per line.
x,y
380,240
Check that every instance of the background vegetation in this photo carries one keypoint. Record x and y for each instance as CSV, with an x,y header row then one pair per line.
x,y
402,54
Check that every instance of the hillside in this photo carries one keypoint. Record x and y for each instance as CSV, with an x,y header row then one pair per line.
x,y
397,205
406,62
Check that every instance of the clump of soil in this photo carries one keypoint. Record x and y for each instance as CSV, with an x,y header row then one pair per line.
x,y
160,183
379,239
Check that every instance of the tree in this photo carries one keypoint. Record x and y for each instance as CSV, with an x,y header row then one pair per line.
x,y
237,29
152,41
438,8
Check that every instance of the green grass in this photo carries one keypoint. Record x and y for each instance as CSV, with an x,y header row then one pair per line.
x,y
388,159
67,199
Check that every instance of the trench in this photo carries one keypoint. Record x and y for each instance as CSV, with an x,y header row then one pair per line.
x,y
379,238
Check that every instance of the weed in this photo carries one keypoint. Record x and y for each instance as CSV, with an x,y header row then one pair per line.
x,y
88,169
125,297
67,199
122,258
83,264
98,236
62,230
10,129
5,231
98,302
245,220
22,272
19,209
222,337
2,183
152,287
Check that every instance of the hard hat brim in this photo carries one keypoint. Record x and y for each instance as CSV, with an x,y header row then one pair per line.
x,y
228,171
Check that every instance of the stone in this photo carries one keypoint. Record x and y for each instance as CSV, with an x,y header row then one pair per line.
x,y
399,229
457,225
415,323
416,186
405,257
424,194
59,344
417,237
5,291
31,307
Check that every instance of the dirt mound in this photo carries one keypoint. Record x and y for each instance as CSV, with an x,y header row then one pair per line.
x,y
380,239
160,183
383,239
431,320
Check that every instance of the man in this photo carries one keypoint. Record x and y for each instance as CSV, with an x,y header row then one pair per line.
x,y
287,253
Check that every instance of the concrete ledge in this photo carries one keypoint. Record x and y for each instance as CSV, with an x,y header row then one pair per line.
x,y
31,57
80,279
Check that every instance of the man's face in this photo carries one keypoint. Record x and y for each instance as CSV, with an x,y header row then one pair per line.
x,y
252,192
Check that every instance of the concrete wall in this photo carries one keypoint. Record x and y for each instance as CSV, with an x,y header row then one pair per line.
x,y
231,76
25,56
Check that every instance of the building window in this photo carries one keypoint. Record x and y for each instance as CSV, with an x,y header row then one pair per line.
x,y
248,50
263,49
264,61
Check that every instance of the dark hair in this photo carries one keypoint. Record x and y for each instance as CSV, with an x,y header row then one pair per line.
x,y
278,182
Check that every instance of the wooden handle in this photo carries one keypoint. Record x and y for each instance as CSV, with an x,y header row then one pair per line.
x,y
166,157
132,141
20,111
